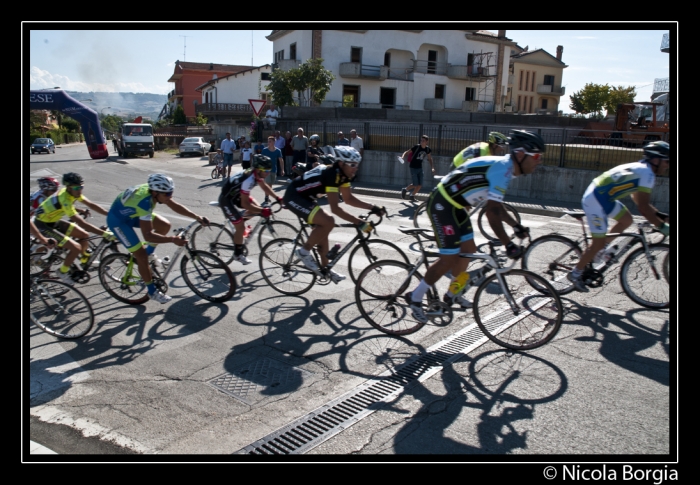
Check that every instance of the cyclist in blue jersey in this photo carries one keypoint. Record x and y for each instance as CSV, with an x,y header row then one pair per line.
x,y
482,178
134,208
601,201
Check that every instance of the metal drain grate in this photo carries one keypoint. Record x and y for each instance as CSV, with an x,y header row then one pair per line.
x,y
325,422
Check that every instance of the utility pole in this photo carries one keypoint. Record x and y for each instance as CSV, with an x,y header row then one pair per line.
x,y
251,47
184,54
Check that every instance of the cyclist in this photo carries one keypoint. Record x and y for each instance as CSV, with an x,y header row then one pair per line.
x,y
314,152
134,208
237,203
601,201
478,179
48,219
47,187
496,146
332,181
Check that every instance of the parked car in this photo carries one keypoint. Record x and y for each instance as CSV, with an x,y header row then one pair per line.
x,y
43,145
194,145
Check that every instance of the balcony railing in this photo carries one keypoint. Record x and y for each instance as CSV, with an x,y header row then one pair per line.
x,y
661,85
549,89
430,67
402,74
469,72
366,71
286,64
223,108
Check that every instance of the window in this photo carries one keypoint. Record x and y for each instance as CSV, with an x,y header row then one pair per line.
x,y
439,91
520,84
293,51
356,54
265,76
387,59
387,96
544,104
530,110
351,96
532,81
279,56
527,80
469,94
548,80
432,62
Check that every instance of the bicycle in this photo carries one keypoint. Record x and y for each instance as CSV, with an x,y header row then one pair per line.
x,y
508,308
204,273
644,275
218,239
59,309
421,219
218,171
283,271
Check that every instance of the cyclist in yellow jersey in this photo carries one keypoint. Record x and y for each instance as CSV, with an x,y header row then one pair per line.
x,y
48,219
496,146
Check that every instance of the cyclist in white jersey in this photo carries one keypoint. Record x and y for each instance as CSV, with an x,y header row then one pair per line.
x,y
600,202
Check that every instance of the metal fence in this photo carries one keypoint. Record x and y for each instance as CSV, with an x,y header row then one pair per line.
x,y
566,147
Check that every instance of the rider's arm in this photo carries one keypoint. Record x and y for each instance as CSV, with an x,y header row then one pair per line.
x,y
183,211
496,215
267,189
248,205
333,202
150,236
86,225
50,242
642,199
353,201
94,206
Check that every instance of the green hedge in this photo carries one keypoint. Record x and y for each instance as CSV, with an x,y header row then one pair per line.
x,y
58,136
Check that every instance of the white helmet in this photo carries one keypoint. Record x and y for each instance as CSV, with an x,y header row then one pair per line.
x,y
160,183
347,154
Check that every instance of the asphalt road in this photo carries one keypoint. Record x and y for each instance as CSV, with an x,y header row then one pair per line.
x,y
142,381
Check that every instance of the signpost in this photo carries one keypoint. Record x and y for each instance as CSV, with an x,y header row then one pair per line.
x,y
257,105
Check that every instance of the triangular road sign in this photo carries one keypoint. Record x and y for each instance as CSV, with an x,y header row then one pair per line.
x,y
257,105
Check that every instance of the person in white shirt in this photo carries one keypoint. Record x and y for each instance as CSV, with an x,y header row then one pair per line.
x,y
356,142
271,116
246,154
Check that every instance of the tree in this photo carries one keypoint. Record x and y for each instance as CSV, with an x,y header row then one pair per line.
x,y
591,99
179,117
577,104
71,125
618,95
311,81
200,120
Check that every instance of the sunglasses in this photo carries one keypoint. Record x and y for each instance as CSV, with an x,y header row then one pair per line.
x,y
536,156
167,194
77,187
351,164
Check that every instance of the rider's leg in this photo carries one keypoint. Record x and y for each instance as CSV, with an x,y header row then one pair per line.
x,y
160,226
323,225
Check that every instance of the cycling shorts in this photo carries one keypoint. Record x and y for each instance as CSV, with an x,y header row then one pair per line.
x,y
452,226
124,230
595,214
59,230
303,207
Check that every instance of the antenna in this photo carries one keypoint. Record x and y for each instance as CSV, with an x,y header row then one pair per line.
x,y
251,48
184,54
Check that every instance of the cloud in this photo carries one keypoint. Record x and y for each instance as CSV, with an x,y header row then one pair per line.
x,y
40,79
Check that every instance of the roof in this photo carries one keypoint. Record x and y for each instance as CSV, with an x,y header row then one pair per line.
x,y
524,54
235,74
180,67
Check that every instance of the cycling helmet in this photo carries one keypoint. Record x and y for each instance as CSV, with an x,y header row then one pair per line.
x,y
656,149
497,138
530,142
315,137
160,183
72,178
347,154
262,162
48,183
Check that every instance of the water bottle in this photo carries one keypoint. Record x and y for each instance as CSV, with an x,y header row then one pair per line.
x,y
165,261
333,252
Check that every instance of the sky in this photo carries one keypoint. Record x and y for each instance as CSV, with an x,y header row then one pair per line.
x,y
106,60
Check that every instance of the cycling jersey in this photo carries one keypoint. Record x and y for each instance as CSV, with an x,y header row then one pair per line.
x,y
35,200
134,203
621,181
239,183
483,178
319,181
53,208
480,149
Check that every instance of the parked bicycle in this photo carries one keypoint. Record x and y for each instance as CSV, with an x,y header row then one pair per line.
x,y
644,274
514,308
59,309
204,273
218,238
421,219
283,270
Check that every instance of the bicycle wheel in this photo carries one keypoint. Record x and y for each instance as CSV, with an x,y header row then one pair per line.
x,y
216,239
666,267
552,257
119,281
524,314
485,227
643,282
59,309
283,270
379,296
275,230
420,216
208,276
215,173
379,249
43,267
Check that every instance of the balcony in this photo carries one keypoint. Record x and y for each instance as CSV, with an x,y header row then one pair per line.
x,y
665,44
473,73
661,85
434,104
549,89
286,64
401,74
430,67
172,96
356,70
231,109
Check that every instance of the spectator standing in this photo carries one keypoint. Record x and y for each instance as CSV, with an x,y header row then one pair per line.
x,y
279,141
271,117
420,152
342,141
299,145
228,146
258,148
288,152
246,155
356,143
275,155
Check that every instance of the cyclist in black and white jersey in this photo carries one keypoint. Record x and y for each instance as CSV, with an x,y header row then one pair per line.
x,y
332,181
238,205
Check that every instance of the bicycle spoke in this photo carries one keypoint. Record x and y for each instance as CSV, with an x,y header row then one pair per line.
x,y
208,276
282,269
60,310
646,284
121,279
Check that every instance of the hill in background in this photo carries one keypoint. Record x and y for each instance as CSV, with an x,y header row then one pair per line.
x,y
128,105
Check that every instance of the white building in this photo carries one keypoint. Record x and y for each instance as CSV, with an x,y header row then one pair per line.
x,y
226,97
459,70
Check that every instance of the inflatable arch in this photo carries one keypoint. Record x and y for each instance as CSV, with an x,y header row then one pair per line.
x,y
56,99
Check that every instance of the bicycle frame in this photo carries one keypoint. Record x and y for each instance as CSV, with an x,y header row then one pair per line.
x,y
261,222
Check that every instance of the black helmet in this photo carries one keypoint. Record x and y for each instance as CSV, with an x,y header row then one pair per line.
x,y
72,178
262,162
656,149
530,142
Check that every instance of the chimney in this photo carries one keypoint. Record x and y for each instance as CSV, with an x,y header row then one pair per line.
x,y
211,66
560,49
501,34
